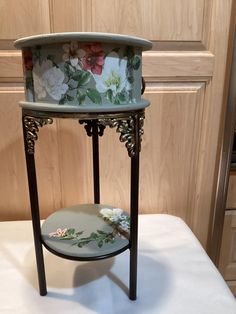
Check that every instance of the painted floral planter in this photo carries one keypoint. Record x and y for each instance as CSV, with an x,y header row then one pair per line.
x,y
83,69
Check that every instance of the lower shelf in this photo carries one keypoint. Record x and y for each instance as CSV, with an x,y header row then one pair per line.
x,y
81,233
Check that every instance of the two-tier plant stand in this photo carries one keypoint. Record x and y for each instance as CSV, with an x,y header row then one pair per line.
x,y
79,232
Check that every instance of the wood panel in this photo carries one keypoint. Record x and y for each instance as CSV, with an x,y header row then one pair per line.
x,y
11,66
171,147
177,64
227,264
75,163
232,286
23,18
231,195
153,19
48,169
14,200
169,153
71,16
13,188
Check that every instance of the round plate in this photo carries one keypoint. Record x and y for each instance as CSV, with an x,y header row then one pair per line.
x,y
79,233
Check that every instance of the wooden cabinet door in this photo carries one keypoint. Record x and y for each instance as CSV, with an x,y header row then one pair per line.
x,y
185,75
227,263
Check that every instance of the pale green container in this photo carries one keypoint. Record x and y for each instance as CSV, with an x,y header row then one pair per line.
x,y
88,71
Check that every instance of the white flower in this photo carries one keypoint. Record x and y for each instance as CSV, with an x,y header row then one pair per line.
x,y
48,78
113,75
38,71
125,225
111,214
39,87
53,82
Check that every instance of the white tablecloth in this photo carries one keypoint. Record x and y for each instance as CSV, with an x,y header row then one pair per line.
x,y
175,275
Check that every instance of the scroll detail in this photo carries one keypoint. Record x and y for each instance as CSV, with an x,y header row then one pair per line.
x,y
31,128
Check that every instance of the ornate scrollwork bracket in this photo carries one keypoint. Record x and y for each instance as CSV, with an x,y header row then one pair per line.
x,y
130,129
89,127
31,128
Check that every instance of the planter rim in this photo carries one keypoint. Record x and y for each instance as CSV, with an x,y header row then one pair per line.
x,y
52,38
48,107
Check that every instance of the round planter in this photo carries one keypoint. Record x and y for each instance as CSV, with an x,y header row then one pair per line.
x,y
93,71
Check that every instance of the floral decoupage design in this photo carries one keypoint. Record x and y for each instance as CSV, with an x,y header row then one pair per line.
x,y
93,73
116,218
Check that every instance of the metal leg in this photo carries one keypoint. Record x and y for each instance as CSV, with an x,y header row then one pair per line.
x,y
33,191
96,181
134,199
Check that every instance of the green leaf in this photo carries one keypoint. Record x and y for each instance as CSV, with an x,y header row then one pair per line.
x,y
101,232
79,233
116,101
84,78
51,57
129,52
100,243
62,100
84,242
109,95
130,79
94,95
69,98
116,49
70,231
29,83
93,236
81,77
76,75
121,97
136,62
69,237
80,97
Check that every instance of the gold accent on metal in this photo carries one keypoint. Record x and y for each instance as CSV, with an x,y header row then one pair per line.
x,y
128,123
127,129
31,127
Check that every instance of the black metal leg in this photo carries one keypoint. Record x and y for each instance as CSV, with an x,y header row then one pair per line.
x,y
33,191
96,181
134,200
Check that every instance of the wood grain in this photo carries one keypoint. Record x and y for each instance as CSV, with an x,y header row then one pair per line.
x,y
10,65
214,109
153,19
232,286
227,264
231,195
171,148
172,64
70,16
13,187
23,18
14,200
75,163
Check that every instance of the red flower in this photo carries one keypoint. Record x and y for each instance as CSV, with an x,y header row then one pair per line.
x,y
94,58
27,59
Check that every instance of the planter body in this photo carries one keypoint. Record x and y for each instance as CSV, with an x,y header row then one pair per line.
x,y
91,70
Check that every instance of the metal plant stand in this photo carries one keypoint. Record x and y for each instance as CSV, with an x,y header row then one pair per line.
x,y
129,125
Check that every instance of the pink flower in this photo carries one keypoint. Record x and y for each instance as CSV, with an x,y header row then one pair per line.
x,y
60,233
94,58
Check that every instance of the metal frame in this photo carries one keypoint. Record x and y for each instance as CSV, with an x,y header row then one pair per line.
x,y
130,126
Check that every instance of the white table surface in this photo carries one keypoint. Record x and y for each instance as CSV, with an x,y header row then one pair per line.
x,y
175,275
